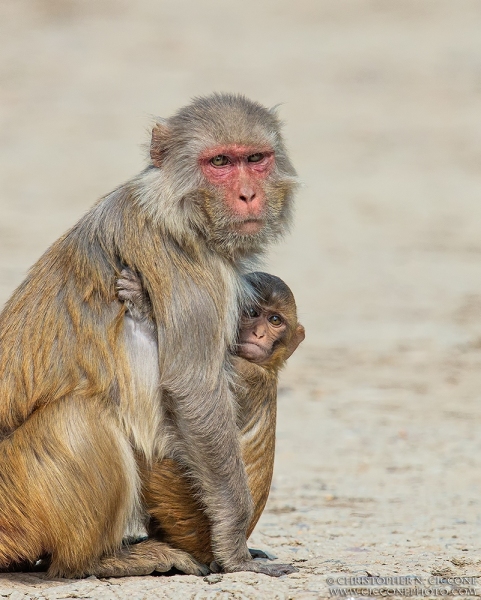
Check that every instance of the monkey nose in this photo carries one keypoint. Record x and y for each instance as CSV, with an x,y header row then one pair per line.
x,y
247,196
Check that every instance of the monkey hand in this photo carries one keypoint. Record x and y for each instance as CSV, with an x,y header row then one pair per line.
x,y
129,286
257,566
130,291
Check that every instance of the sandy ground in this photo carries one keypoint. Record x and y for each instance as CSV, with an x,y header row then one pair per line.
x,y
378,468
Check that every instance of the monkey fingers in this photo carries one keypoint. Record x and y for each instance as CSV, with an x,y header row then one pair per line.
x,y
129,286
129,291
146,558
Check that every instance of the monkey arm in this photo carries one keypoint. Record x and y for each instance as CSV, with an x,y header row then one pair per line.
x,y
196,374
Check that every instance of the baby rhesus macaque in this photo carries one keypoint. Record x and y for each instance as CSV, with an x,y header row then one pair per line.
x,y
269,333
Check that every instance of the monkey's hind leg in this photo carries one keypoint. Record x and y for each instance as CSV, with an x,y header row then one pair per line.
x,y
146,558
68,487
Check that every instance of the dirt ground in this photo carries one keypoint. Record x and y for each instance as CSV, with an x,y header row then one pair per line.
x,y
378,465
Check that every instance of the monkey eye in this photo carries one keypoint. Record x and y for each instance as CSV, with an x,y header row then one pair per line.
x,y
252,312
257,157
219,161
275,320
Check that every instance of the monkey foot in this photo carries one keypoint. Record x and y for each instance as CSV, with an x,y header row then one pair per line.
x,y
276,570
259,566
146,558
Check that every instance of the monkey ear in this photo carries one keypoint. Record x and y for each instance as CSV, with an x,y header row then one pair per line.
x,y
297,337
159,142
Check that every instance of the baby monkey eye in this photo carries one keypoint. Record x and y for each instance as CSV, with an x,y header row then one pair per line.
x,y
275,320
258,156
219,161
252,312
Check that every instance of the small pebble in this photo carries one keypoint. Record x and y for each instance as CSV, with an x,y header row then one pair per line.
x,y
213,578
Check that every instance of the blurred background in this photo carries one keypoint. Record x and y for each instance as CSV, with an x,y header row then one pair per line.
x,y
381,103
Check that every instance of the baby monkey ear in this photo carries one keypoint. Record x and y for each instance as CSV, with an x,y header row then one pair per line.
x,y
297,337
159,143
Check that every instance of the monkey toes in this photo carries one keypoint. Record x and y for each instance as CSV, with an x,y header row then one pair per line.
x,y
259,566
182,562
273,570
146,558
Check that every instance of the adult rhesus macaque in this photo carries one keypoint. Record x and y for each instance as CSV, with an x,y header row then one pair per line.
x,y
268,334
82,396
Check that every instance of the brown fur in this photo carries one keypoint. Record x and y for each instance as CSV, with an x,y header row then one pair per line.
x,y
81,395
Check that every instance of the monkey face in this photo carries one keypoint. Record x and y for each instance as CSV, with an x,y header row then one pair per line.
x,y
224,175
261,329
269,331
239,173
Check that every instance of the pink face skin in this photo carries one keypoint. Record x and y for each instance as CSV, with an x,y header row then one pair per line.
x,y
260,329
240,172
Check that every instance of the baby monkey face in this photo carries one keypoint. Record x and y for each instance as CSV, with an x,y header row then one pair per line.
x,y
261,328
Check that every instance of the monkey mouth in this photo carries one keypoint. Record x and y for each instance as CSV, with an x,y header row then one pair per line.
x,y
249,226
251,351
